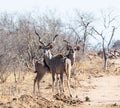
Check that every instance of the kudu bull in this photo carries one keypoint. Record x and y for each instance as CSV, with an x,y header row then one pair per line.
x,y
58,64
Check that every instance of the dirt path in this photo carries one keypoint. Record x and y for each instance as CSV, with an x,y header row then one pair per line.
x,y
101,90
107,89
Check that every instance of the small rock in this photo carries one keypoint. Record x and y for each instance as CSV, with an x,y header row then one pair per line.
x,y
87,99
115,104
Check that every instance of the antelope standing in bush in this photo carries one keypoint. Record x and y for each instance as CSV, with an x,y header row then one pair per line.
x,y
71,51
58,64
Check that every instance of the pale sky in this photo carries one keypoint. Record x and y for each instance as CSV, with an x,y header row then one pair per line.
x,y
60,6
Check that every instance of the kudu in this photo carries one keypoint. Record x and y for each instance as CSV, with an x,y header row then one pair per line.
x,y
58,64
40,70
72,51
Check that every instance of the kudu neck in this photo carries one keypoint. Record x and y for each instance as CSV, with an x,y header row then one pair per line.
x,y
71,56
47,58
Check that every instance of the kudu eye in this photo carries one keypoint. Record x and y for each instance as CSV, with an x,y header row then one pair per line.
x,y
40,46
78,48
50,46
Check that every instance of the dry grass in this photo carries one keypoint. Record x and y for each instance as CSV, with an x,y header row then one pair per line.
x,y
84,69
94,67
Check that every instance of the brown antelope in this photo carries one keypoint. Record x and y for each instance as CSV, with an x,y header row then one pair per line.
x,y
71,51
40,69
58,64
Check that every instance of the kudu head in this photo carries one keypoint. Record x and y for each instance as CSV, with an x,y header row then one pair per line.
x,y
46,47
71,48
71,51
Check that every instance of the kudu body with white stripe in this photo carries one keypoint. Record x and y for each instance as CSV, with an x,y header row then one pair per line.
x,y
58,64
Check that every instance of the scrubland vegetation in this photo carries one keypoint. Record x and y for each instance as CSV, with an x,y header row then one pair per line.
x,y
19,46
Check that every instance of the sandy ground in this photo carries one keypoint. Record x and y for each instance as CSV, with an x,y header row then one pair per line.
x,y
99,92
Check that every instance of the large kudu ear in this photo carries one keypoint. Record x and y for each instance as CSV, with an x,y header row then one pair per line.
x,y
40,47
50,46
77,48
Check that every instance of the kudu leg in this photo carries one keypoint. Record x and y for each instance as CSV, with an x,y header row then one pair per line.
x,y
36,80
34,86
53,83
58,83
62,82
38,85
68,84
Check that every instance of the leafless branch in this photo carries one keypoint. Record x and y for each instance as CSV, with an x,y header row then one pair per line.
x,y
113,31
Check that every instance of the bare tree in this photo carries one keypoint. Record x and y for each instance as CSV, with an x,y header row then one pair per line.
x,y
82,28
108,25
